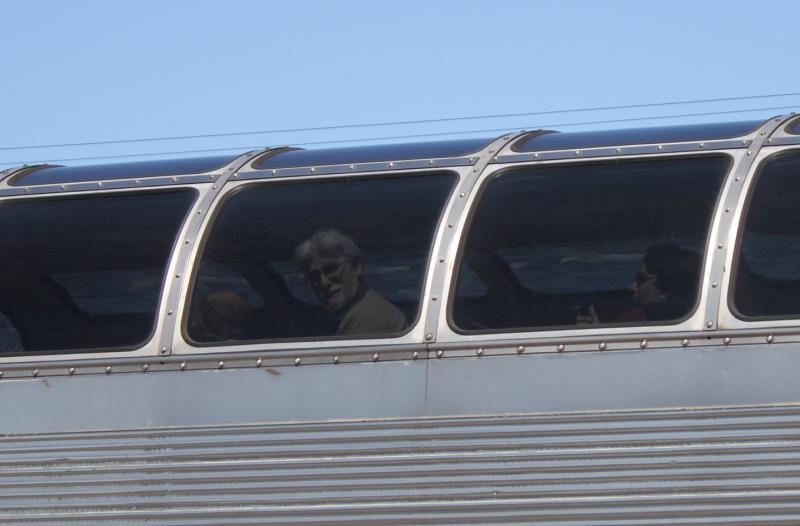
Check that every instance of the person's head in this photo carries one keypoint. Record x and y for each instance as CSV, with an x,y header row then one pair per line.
x,y
223,315
667,270
333,265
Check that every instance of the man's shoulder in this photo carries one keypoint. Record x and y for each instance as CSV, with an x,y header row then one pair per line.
x,y
372,314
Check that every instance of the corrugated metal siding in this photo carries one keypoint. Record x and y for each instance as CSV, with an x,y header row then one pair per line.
x,y
735,466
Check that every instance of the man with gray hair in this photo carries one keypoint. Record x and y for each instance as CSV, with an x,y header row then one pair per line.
x,y
334,266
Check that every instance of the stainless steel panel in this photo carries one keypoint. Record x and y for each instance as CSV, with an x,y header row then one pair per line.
x,y
681,466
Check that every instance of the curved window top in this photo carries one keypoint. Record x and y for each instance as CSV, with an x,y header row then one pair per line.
x,y
342,258
579,245
371,154
85,273
666,134
111,172
794,128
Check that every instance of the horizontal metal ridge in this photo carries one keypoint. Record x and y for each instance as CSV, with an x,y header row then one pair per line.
x,y
680,466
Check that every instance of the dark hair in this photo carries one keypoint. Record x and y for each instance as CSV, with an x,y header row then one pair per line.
x,y
676,269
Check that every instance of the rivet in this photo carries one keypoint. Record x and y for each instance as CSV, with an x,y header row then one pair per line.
x,y
461,194
213,187
709,324
738,179
391,164
472,159
177,276
643,344
186,242
560,347
479,352
220,364
577,152
415,355
274,172
336,359
449,225
27,189
429,336
431,162
702,145
602,346
762,133
199,212
169,313
145,367
770,339
618,150
439,353
375,357
726,340
659,147
236,175
685,342
163,349
63,187
720,246
35,373
744,142
183,366
71,371
174,179
491,151
99,184
352,167
727,210
769,141
298,361
441,260
108,369
434,298
138,181
259,362
714,285
535,155
520,349
475,170
312,170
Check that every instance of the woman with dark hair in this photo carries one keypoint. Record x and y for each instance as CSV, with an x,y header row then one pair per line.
x,y
663,289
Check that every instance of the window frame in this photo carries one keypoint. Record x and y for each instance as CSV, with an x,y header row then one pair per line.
x,y
449,333
413,336
149,347
730,315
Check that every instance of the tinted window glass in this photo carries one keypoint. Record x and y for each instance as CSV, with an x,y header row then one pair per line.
x,y
794,127
767,281
600,243
85,273
336,258
372,153
594,139
110,172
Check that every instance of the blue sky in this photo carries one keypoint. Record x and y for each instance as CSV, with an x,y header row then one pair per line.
x,y
84,71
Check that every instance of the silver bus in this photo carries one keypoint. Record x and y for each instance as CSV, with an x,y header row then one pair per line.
x,y
554,328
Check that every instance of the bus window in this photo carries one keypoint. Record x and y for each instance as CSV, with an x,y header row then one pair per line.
x,y
85,273
585,244
767,272
337,258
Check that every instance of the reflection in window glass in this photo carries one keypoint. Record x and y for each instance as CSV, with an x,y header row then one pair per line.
x,y
587,244
85,273
767,274
336,258
794,128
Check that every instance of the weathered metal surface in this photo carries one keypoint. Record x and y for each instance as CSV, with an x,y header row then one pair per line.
x,y
721,466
